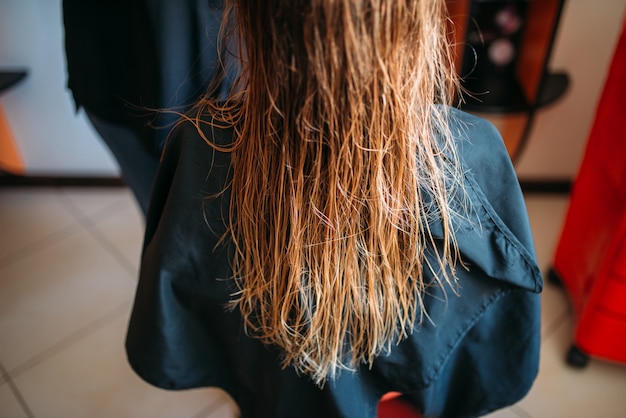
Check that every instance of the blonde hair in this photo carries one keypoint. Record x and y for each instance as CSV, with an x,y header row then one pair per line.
x,y
340,160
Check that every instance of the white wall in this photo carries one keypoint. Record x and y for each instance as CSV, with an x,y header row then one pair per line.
x,y
55,141
52,139
584,46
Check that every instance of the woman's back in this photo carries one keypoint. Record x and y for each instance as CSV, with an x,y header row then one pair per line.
x,y
478,351
334,232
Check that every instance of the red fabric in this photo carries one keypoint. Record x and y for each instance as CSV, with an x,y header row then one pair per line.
x,y
599,195
392,405
591,254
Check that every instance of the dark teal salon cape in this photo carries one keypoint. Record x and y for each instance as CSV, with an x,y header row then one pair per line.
x,y
479,352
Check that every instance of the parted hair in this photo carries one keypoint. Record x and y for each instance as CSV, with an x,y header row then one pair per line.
x,y
342,156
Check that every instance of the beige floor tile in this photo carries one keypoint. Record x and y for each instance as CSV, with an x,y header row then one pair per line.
x,y
124,230
93,201
53,293
28,216
93,379
9,405
503,413
546,215
555,308
564,392
228,409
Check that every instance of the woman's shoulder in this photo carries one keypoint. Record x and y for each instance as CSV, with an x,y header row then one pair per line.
x,y
492,184
476,137
483,154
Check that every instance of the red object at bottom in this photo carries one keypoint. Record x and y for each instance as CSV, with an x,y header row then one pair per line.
x,y
590,259
392,405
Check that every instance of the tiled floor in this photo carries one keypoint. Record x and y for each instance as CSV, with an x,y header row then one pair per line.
x,y
68,262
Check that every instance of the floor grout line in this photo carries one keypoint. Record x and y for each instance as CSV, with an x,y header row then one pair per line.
x,y
63,232
520,412
104,211
88,222
208,410
38,245
114,251
70,340
557,322
16,392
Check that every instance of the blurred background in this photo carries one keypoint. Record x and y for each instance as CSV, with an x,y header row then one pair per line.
x,y
71,233
55,141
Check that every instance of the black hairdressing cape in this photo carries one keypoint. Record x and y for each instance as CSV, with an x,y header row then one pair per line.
x,y
479,352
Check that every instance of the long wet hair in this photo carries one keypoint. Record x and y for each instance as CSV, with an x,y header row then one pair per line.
x,y
341,158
